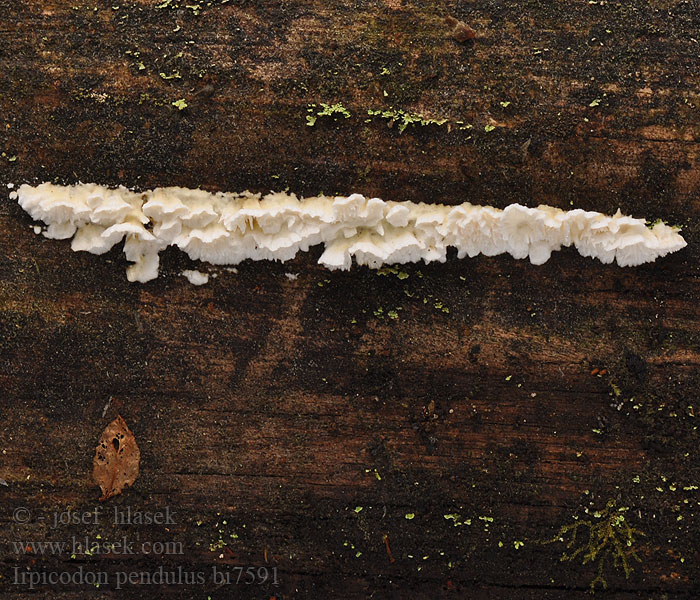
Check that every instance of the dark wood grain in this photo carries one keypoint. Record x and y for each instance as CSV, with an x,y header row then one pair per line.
x,y
272,409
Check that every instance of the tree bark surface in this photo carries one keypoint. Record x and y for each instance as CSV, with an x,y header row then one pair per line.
x,y
416,432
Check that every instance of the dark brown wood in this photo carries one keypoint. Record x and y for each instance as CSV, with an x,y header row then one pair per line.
x,y
327,433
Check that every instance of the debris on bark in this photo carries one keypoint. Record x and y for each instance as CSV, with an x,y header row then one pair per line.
x,y
461,32
117,458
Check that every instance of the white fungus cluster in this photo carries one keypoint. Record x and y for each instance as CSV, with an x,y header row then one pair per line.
x,y
227,228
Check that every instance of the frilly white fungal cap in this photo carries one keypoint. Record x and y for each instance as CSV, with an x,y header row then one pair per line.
x,y
89,238
227,228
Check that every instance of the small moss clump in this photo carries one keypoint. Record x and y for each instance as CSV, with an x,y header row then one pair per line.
x,y
327,110
404,118
609,536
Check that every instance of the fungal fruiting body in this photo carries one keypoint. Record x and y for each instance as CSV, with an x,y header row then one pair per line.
x,y
195,277
227,228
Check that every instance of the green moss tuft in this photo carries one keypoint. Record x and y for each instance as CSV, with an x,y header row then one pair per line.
x,y
609,536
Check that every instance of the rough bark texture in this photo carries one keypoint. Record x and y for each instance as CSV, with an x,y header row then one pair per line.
x,y
493,401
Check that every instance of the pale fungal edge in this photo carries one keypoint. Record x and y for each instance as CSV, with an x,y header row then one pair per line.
x,y
195,277
227,228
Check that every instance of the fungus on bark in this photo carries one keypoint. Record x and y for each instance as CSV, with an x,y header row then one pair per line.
x,y
227,228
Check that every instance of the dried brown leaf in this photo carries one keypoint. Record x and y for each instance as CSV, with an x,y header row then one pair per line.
x,y
462,32
117,458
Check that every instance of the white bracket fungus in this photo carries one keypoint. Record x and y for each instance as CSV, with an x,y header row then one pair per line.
x,y
227,228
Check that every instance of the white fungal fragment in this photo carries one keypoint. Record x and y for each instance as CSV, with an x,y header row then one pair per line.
x,y
196,277
227,228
